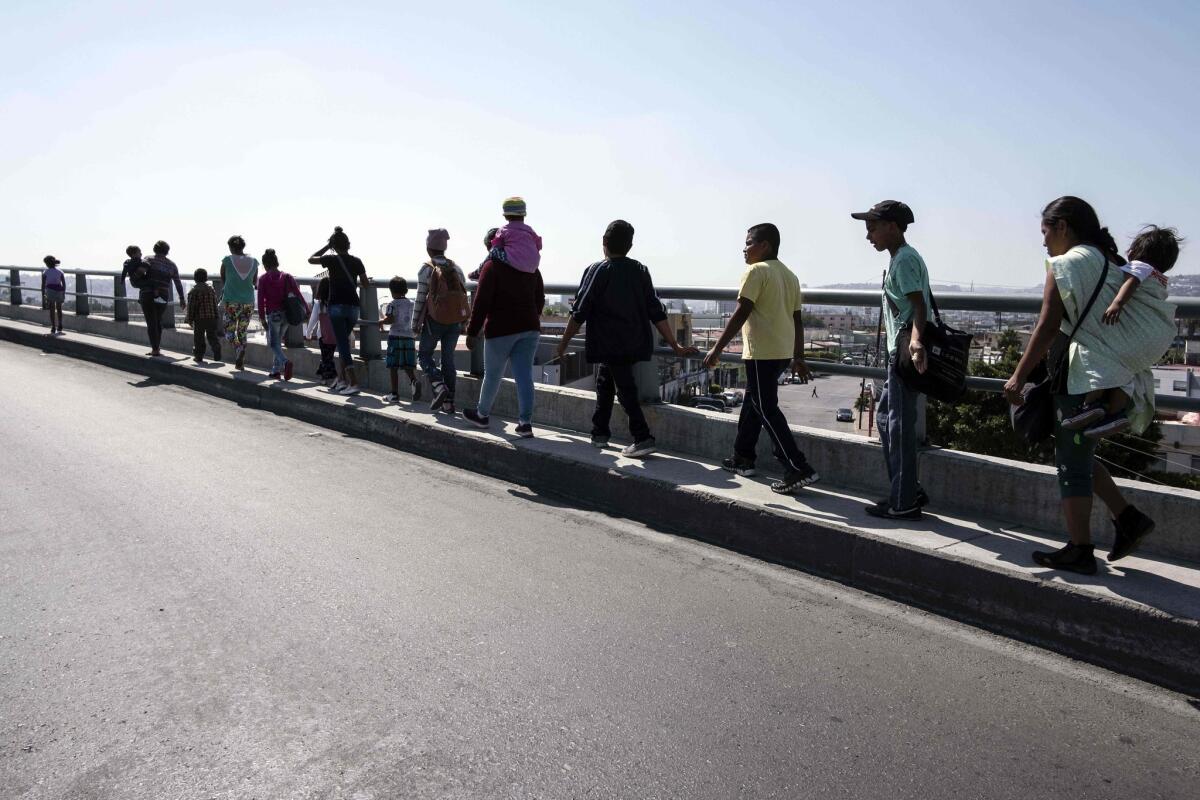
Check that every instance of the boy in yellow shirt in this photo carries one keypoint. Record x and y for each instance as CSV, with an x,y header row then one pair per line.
x,y
773,340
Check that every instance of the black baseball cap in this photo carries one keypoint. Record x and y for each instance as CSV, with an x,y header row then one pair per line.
x,y
51,261
888,211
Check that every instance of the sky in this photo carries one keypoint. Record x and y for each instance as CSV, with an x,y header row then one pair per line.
x,y
130,122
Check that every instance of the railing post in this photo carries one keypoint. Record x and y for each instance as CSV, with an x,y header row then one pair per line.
x,y
120,304
368,331
14,286
169,315
82,307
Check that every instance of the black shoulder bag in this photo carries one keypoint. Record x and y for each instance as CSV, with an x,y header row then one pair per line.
x,y
1033,420
947,354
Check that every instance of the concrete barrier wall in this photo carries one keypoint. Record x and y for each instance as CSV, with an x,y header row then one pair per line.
x,y
994,488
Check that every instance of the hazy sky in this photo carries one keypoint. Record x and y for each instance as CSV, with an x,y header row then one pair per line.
x,y
128,122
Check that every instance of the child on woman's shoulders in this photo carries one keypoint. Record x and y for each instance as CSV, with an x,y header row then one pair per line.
x,y
516,244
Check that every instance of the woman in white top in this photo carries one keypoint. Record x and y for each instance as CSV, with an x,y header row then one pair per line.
x,y
1082,257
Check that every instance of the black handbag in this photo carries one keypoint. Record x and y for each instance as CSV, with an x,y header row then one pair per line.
x,y
947,354
1034,419
293,309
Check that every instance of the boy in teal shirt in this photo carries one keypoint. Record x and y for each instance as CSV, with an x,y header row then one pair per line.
x,y
905,302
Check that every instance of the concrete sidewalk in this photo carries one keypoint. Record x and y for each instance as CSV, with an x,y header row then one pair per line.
x,y
1140,616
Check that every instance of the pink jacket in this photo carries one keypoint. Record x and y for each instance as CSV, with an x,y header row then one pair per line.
x,y
522,246
273,287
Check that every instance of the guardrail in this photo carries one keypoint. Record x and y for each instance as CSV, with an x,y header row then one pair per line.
x,y
370,341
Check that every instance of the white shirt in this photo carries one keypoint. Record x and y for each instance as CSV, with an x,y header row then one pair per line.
x,y
400,310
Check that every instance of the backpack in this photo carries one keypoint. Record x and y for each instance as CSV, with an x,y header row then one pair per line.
x,y
448,305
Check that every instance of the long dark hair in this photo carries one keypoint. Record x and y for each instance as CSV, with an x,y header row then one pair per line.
x,y
1081,218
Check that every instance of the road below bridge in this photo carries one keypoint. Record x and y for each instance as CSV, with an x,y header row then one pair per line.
x,y
199,600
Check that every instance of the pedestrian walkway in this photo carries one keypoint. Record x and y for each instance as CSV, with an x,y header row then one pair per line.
x,y
1132,615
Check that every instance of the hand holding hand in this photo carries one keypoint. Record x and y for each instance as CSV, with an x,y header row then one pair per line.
x,y
800,367
712,358
471,342
686,352
560,351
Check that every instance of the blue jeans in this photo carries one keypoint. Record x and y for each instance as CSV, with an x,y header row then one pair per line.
x,y
896,417
344,318
432,334
276,327
518,348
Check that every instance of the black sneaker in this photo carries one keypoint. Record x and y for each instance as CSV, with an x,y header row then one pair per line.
x,y
795,480
1132,526
524,430
599,441
1072,558
883,509
448,407
1109,426
922,499
738,466
440,393
1083,416
474,417
416,387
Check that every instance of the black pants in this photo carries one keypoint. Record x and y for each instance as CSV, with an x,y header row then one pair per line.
x,y
617,379
153,312
761,409
206,328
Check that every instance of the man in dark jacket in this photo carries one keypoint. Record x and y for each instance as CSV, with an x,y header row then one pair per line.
x,y
616,299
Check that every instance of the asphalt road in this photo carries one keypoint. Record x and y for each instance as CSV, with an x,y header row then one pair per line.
x,y
203,601
833,392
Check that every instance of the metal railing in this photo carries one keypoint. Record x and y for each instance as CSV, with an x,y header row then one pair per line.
x,y
370,340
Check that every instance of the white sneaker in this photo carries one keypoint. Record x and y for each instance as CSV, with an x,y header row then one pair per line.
x,y
349,390
391,398
337,386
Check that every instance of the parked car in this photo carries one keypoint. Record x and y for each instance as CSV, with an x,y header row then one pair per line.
x,y
732,399
709,404
845,415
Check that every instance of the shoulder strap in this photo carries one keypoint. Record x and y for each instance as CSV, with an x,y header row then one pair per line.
x,y
1092,300
434,274
349,277
937,315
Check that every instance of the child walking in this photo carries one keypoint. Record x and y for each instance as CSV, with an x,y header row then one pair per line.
x,y
516,244
54,289
1104,412
322,330
202,316
401,344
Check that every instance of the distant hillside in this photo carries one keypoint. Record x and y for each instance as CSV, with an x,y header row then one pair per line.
x,y
1181,286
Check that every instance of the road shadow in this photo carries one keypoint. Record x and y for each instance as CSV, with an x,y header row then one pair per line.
x,y
145,383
